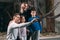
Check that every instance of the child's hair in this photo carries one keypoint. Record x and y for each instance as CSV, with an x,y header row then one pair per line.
x,y
21,18
33,9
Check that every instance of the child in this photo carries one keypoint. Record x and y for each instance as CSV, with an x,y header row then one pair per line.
x,y
36,27
23,30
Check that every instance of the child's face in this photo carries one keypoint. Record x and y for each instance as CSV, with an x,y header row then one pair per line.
x,y
33,13
23,19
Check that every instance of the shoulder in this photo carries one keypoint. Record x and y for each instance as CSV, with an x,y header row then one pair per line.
x,y
30,18
37,16
10,23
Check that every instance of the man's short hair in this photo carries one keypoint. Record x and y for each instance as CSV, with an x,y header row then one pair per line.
x,y
16,14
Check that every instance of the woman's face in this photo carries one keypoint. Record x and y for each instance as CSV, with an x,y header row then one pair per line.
x,y
26,6
23,5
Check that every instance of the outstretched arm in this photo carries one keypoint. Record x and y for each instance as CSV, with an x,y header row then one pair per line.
x,y
20,25
23,24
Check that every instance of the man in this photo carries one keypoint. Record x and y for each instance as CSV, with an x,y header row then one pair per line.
x,y
36,27
12,31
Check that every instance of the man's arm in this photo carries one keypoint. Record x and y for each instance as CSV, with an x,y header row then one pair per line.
x,y
20,25
23,24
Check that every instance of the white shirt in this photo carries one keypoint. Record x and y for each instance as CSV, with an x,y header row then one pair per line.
x,y
23,31
12,31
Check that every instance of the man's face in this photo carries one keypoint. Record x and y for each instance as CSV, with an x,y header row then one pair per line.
x,y
33,13
17,18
